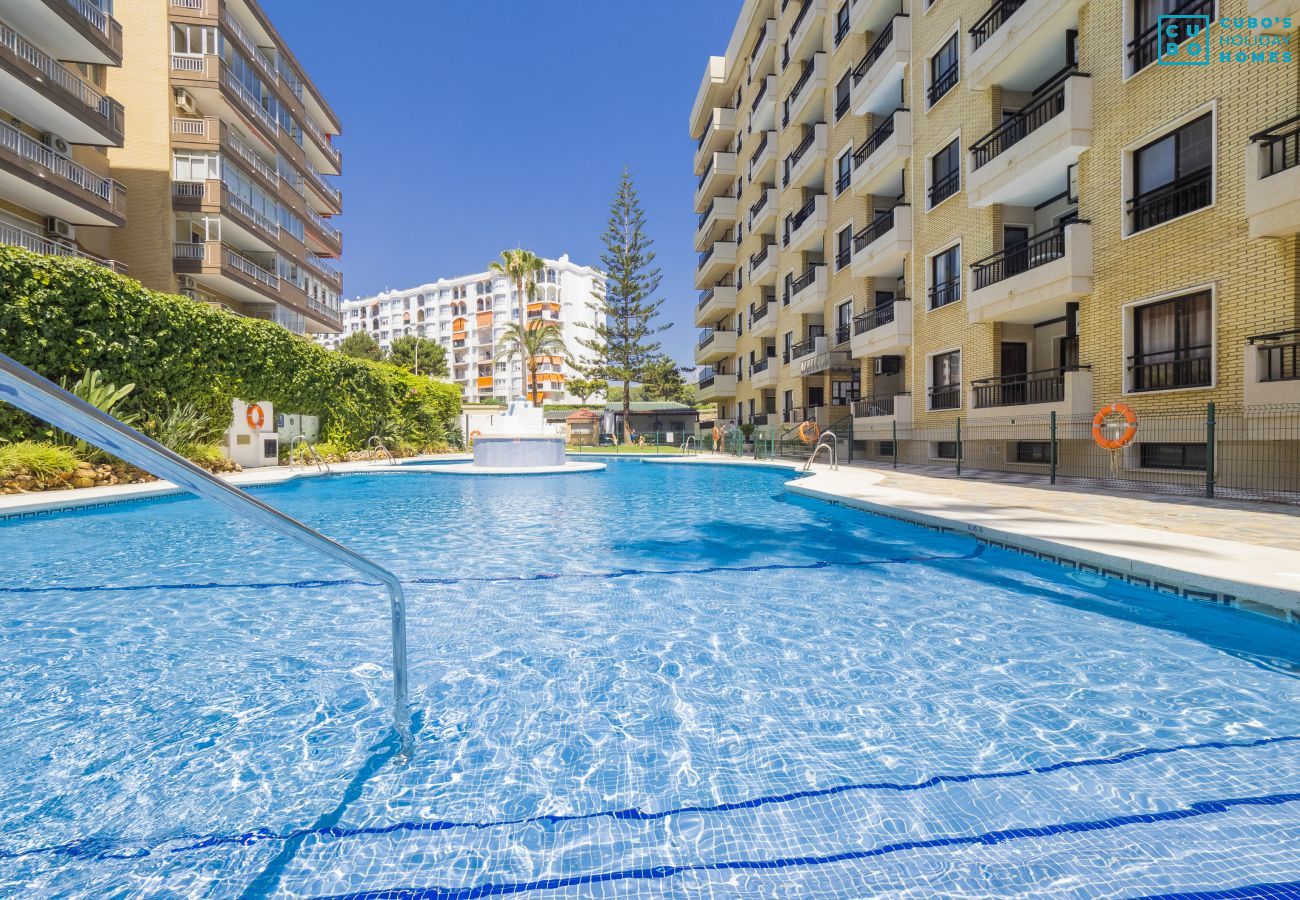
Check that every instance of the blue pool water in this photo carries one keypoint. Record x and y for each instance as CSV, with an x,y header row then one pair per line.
x,y
654,681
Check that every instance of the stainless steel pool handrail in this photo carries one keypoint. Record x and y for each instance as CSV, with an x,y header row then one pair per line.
x,y
309,451
377,443
42,398
831,448
686,444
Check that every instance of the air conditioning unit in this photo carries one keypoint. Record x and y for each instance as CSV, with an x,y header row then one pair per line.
x,y
889,365
56,227
186,282
57,144
185,101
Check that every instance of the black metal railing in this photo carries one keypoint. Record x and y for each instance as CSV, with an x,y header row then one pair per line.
x,y
758,313
758,98
708,170
942,84
876,139
1166,369
798,153
808,344
1144,49
705,297
1023,389
843,258
706,337
993,19
706,256
1281,145
874,52
1039,250
879,227
945,187
1049,104
758,152
803,281
708,211
841,107
874,407
1171,200
945,396
795,221
1281,355
843,333
944,292
759,205
707,378
803,14
842,182
879,317
758,257
808,69
759,365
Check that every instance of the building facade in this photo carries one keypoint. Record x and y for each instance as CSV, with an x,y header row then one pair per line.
x,y
468,315
227,164
57,124
915,213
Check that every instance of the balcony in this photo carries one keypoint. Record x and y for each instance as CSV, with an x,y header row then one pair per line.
x,y
762,214
806,30
762,59
76,31
877,80
246,225
871,16
714,387
1066,392
806,164
875,413
219,92
39,89
717,135
804,347
762,265
763,106
36,178
714,345
1272,370
804,105
807,292
880,249
1170,201
1273,181
883,331
37,243
717,177
712,92
715,263
1022,162
762,162
1031,282
763,373
818,355
227,270
714,303
1017,43
762,316
879,163
806,227
716,220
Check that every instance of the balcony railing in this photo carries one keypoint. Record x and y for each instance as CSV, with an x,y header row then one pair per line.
x,y
808,344
324,269
248,267
92,14
876,139
705,297
250,47
1167,369
1144,49
239,205
323,225
758,207
945,187
758,257
1171,200
804,281
706,256
1049,104
879,227
808,69
62,76
1281,145
318,180
795,221
875,318
18,237
943,83
707,378
798,153
708,211
706,338
18,142
874,52
758,98
944,292
803,14
1045,386
758,152
759,365
843,333
993,19
251,102
1038,250
945,396
874,407
1281,355
260,166
708,170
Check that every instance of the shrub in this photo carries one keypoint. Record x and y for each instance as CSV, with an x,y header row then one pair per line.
x,y
102,396
66,317
39,459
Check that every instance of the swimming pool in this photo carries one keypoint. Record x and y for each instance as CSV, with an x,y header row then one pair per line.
x,y
654,681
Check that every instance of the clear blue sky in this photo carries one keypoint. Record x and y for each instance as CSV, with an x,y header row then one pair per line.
x,y
471,127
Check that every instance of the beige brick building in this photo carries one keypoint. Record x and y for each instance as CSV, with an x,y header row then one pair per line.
x,y
996,211
227,164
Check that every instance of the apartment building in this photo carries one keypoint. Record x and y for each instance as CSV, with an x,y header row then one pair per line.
x,y
227,164
468,315
57,121
913,213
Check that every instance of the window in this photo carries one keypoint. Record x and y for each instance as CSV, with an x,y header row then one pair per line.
x,y
1036,452
842,23
843,172
1144,49
945,173
1188,457
1172,175
843,322
842,96
885,448
843,247
1172,343
195,165
943,70
945,277
945,450
194,40
945,380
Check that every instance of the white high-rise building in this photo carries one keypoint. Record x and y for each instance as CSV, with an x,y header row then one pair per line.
x,y
468,314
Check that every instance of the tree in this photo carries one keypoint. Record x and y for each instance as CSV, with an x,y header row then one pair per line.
x,y
360,345
529,343
626,308
521,267
418,355
582,388
662,380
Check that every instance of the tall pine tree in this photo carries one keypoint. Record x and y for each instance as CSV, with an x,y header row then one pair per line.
x,y
625,313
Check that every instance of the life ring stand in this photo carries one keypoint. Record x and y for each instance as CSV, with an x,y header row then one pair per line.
x,y
1130,430
809,432
255,416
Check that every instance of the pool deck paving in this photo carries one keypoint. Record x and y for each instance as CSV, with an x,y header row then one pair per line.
x,y
1230,551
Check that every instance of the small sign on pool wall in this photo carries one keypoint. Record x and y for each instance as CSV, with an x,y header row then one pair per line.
x,y
1191,40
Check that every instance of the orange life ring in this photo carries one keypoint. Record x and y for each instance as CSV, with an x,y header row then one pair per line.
x,y
255,416
809,432
475,434
1130,432
717,435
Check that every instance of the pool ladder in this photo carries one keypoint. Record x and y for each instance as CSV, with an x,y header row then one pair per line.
x,y
686,444
831,451
28,391
376,445
309,452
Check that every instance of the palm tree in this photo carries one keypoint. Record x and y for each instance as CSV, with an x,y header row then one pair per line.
x,y
521,267
528,343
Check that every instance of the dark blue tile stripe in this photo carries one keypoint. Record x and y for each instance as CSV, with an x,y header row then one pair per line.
x,y
98,849
1282,890
992,838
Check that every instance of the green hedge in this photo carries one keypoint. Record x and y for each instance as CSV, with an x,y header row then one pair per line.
x,y
65,317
